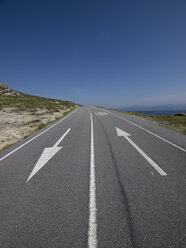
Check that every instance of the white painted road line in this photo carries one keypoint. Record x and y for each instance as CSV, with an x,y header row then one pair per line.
x,y
36,136
46,155
101,113
92,232
182,149
154,165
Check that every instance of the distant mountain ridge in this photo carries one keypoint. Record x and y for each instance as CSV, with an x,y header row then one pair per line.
x,y
159,107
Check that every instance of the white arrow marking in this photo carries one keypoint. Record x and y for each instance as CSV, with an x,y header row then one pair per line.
x,y
46,155
154,165
159,137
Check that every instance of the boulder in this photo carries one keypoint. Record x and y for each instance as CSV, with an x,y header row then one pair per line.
x,y
6,91
3,86
180,114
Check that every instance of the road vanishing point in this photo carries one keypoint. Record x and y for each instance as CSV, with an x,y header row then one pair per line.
x,y
95,178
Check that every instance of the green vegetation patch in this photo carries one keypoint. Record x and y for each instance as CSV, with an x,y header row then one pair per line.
x,y
25,102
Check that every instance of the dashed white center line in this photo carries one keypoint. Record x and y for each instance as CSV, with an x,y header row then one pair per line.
x,y
92,232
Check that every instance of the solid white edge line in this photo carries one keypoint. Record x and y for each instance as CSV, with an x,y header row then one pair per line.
x,y
169,142
92,232
37,136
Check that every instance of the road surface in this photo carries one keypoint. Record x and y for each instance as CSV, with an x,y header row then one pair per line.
x,y
96,178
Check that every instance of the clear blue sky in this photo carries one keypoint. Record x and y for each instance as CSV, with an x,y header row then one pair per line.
x,y
95,52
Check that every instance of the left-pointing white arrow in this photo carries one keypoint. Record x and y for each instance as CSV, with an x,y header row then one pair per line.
x,y
46,155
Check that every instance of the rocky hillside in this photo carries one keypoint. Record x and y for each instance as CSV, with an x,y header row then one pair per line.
x,y
22,114
4,90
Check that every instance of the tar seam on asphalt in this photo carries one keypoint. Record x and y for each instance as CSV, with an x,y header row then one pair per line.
x,y
122,190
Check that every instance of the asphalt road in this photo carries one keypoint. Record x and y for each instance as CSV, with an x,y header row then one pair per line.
x,y
95,185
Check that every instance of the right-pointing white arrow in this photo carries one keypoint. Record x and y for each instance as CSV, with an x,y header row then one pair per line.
x,y
126,135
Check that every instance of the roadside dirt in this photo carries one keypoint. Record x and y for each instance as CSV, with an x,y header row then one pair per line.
x,y
16,126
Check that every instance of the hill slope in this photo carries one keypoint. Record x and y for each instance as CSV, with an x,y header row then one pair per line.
x,y
22,114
